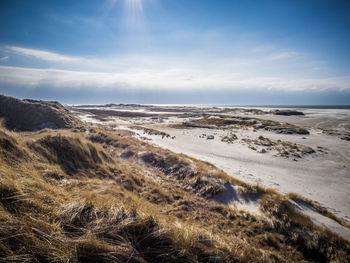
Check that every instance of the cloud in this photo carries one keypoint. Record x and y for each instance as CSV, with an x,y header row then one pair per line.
x,y
283,55
4,59
273,53
262,48
166,72
175,79
43,55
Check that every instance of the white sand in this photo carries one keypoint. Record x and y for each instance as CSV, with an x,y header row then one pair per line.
x,y
323,221
324,178
233,198
321,177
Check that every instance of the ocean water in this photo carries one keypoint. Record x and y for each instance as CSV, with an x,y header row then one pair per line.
x,y
336,107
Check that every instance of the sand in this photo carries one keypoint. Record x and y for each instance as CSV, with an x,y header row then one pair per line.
x,y
323,177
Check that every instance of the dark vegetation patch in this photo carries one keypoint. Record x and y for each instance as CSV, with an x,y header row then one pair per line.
x,y
71,153
343,135
235,122
32,115
117,234
10,150
262,112
108,140
299,231
185,173
149,131
287,112
229,138
127,154
282,148
169,165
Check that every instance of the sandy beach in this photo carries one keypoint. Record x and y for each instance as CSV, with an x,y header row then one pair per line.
x,y
323,178
321,174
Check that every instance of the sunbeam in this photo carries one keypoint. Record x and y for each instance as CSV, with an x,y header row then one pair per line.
x,y
135,5
134,14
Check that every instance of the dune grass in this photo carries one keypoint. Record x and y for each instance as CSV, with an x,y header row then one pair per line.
x,y
69,197
323,211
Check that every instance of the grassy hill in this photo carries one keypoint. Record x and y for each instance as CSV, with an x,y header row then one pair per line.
x,y
33,115
93,195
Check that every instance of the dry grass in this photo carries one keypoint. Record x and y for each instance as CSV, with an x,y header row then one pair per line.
x,y
33,115
323,211
300,231
97,207
236,122
230,138
151,131
282,148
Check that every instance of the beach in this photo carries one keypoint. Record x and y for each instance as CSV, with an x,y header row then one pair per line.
x,y
306,154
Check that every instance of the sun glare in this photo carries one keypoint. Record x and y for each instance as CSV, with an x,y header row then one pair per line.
x,y
134,13
135,5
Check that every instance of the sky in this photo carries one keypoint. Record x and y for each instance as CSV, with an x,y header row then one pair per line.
x,y
176,51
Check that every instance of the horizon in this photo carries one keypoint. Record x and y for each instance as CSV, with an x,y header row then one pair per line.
x,y
176,52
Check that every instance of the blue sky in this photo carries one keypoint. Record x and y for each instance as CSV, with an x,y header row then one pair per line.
x,y
176,51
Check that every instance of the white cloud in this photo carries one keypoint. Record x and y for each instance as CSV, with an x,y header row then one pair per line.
x,y
4,59
262,48
43,55
283,55
167,80
170,72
